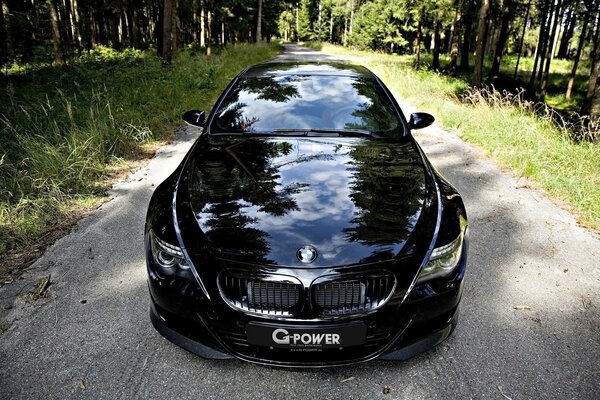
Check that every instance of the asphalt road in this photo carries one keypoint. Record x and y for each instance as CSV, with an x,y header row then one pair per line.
x,y
529,325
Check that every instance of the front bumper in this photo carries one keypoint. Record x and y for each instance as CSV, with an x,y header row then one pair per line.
x,y
412,342
210,328
397,331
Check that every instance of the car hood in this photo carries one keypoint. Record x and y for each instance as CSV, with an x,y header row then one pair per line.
x,y
258,200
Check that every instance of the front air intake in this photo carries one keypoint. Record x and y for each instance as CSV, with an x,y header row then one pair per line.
x,y
279,295
359,294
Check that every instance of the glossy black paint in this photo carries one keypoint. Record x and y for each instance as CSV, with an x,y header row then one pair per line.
x,y
420,120
356,200
248,202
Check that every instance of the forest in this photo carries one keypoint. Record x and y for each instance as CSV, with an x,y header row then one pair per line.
x,y
88,87
466,32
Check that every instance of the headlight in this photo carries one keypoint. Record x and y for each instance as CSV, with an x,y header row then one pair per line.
x,y
167,256
444,259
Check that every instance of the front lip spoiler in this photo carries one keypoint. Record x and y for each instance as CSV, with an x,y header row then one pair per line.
x,y
184,342
424,344
402,354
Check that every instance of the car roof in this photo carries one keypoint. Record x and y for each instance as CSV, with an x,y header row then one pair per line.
x,y
329,68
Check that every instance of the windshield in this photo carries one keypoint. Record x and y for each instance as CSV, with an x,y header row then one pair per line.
x,y
299,102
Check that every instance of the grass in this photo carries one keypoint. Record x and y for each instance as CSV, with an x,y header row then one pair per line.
x,y
508,128
65,130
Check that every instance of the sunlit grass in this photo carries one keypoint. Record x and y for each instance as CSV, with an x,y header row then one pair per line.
x,y
63,129
506,128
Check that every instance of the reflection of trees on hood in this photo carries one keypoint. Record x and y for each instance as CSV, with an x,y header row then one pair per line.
x,y
388,190
229,178
238,183
257,176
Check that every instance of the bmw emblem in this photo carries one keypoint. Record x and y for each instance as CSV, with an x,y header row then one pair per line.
x,y
306,254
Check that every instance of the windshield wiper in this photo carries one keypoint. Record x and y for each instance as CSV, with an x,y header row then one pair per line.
x,y
345,132
325,132
303,132
286,132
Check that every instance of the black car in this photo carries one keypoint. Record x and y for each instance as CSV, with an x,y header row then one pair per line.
x,y
305,227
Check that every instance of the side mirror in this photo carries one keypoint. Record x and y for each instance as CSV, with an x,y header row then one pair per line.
x,y
420,120
194,118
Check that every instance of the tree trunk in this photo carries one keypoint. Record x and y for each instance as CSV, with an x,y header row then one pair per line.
x,y
124,33
71,20
3,57
502,37
331,27
540,44
563,49
78,29
596,34
466,44
586,20
93,31
351,17
435,64
591,105
102,29
319,20
491,35
525,21
455,42
6,30
135,29
552,44
298,22
114,30
167,31
484,20
259,22
176,26
59,56
418,47
154,33
64,10
545,46
202,26
209,31
195,24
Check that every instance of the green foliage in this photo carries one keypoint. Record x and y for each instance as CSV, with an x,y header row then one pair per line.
x,y
375,26
286,25
307,29
102,56
61,129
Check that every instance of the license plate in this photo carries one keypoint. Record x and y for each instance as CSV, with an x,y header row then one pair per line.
x,y
306,337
